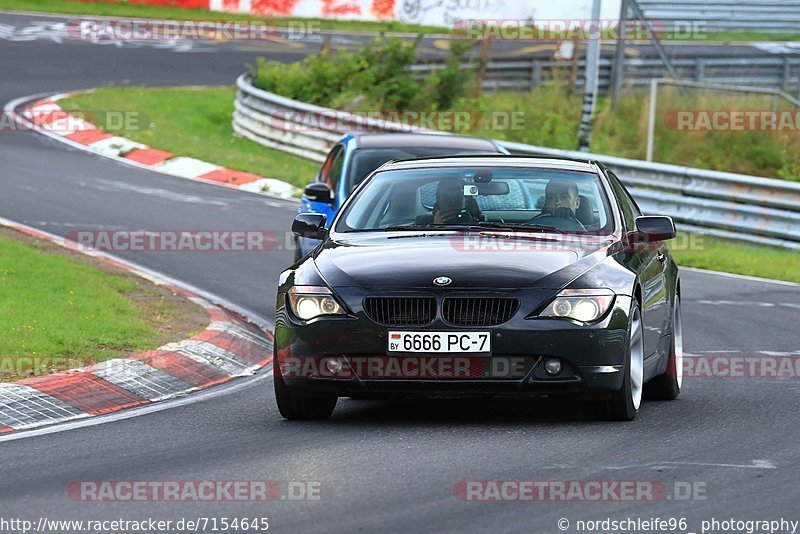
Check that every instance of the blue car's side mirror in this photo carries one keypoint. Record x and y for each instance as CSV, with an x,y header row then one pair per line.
x,y
319,192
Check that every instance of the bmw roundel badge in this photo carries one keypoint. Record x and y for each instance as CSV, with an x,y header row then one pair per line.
x,y
442,281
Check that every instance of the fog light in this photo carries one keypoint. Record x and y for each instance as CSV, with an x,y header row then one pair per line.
x,y
334,365
552,366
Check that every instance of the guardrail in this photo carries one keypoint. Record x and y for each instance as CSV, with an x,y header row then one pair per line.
x,y
295,127
729,205
776,71
721,15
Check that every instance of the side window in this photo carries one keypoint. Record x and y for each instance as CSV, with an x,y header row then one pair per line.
x,y
336,170
331,171
626,203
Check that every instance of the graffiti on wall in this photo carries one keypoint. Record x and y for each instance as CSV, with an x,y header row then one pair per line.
x,y
444,13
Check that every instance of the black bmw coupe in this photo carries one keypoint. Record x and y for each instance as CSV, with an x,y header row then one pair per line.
x,y
482,276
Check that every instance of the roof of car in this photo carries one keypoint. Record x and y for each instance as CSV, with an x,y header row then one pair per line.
x,y
493,161
414,140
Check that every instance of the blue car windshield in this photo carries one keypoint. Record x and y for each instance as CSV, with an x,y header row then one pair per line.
x,y
487,196
366,160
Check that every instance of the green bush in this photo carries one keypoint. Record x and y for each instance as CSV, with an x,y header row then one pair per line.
x,y
318,79
452,81
384,78
377,73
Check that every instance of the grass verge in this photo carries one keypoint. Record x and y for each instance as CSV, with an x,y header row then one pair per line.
x,y
551,116
146,11
63,310
190,122
706,252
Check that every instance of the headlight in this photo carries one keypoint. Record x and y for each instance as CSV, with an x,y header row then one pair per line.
x,y
584,305
310,302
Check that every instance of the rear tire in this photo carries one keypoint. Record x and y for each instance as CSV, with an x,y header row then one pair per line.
x,y
624,404
301,408
668,386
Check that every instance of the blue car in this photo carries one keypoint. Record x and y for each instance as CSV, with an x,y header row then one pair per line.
x,y
354,158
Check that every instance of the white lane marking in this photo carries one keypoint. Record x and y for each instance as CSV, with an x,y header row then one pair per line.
x,y
754,464
764,352
111,185
186,167
82,226
751,303
9,109
739,276
143,410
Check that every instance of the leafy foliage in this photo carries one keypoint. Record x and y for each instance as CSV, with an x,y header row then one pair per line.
x,y
377,75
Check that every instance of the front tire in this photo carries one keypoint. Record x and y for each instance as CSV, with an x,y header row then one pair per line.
x,y
624,404
300,408
668,386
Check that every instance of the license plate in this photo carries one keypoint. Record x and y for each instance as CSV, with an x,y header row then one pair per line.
x,y
440,342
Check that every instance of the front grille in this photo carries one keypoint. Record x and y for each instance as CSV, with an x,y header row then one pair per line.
x,y
479,311
401,311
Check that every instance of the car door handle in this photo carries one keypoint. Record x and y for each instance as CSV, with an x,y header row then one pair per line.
x,y
660,257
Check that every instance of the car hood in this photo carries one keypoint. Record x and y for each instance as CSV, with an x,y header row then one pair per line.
x,y
403,260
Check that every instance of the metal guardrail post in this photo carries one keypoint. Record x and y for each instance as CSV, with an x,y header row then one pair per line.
x,y
699,70
618,69
536,74
651,119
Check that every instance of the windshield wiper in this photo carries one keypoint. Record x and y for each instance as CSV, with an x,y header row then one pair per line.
x,y
417,227
472,226
523,227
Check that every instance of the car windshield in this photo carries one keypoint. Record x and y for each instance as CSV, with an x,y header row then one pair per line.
x,y
506,198
366,160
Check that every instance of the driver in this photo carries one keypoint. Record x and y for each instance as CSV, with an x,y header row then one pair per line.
x,y
560,206
451,204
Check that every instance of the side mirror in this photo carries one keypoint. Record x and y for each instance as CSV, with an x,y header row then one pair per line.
x,y
319,192
652,229
310,225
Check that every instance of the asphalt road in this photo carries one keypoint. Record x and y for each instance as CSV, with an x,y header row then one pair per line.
x,y
380,466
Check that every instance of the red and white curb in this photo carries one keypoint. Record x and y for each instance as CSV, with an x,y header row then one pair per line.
x,y
229,347
47,117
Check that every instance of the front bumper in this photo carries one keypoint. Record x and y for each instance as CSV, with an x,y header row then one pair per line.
x,y
348,357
